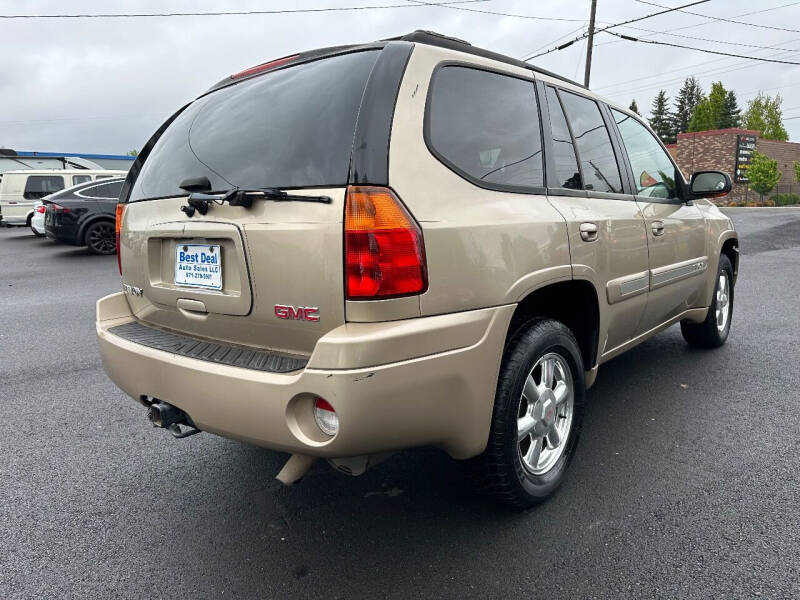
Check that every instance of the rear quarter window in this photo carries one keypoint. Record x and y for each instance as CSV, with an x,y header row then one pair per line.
x,y
485,126
104,191
289,128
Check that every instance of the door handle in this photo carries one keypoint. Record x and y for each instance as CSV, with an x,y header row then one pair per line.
x,y
657,227
588,232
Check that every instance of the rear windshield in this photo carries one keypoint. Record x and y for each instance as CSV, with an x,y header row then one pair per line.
x,y
288,129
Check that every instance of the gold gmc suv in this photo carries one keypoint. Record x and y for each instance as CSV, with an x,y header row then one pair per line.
x,y
415,242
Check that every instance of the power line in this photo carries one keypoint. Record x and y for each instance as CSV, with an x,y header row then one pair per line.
x,y
493,12
736,66
701,39
655,42
239,12
688,12
711,19
667,10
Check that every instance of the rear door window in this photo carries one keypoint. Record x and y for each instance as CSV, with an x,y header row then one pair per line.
x,y
39,186
485,126
77,179
289,128
598,162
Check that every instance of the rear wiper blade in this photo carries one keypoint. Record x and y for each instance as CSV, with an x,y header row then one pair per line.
x,y
244,197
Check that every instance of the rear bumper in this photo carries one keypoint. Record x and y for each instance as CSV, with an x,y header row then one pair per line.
x,y
433,385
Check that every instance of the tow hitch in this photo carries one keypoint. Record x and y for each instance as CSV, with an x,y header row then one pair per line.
x,y
171,418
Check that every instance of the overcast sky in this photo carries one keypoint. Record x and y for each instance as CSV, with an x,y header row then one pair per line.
x,y
104,85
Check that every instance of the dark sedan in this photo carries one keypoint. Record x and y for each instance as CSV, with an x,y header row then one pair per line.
x,y
83,215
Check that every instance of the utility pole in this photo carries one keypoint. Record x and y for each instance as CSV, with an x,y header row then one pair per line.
x,y
589,44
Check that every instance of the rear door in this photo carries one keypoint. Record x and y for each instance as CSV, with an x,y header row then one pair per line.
x,y
606,228
270,275
676,235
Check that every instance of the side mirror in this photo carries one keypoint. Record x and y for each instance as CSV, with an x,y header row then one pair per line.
x,y
710,184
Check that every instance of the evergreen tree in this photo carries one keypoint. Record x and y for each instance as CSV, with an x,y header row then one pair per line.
x,y
634,107
685,103
731,116
764,115
720,110
702,117
661,118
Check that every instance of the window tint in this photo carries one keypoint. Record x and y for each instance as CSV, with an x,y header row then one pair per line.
x,y
598,164
76,179
567,174
39,186
653,171
292,127
108,191
104,176
486,126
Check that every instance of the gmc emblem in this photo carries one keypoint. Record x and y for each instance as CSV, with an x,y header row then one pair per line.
x,y
301,313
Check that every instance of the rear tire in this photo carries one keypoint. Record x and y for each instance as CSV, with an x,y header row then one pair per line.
x,y
713,332
523,469
101,238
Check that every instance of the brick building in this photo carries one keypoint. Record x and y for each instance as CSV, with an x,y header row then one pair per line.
x,y
718,149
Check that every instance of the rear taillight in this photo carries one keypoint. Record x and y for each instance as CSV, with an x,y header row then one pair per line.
x,y
40,209
57,208
117,229
384,250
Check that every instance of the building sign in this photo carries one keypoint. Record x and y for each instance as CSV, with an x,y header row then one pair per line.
x,y
745,146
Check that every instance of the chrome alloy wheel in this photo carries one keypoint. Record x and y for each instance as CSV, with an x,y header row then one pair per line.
x,y
544,418
723,300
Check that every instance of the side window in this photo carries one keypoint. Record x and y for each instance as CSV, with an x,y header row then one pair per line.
x,y
104,176
485,126
653,171
108,191
76,179
39,186
567,174
598,164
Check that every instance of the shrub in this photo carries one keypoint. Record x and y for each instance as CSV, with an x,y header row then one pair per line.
x,y
785,199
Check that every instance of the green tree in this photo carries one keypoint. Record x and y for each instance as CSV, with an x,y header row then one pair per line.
x,y
133,152
763,173
685,102
797,171
731,115
712,112
702,117
764,115
661,118
634,107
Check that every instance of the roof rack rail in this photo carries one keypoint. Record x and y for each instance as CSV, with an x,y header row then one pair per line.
x,y
432,38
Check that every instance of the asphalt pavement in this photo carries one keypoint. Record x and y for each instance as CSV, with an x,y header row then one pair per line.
x,y
685,484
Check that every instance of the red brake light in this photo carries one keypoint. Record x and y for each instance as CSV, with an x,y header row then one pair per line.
x,y
264,66
40,209
117,229
58,208
384,249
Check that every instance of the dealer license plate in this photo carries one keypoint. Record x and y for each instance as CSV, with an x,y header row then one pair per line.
x,y
198,265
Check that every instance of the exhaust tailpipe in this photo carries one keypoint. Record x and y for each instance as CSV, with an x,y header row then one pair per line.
x,y
170,417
